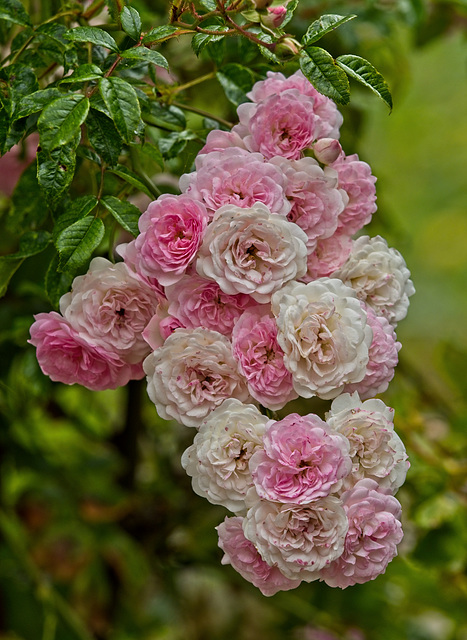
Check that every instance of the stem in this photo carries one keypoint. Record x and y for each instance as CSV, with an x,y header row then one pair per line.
x,y
192,83
94,8
200,112
269,45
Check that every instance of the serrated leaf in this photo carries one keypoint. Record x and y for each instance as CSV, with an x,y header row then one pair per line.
x,y
77,242
167,117
77,209
28,206
30,244
363,71
236,80
104,137
201,40
56,283
55,170
321,70
84,73
159,34
7,270
131,22
93,35
35,102
146,55
125,213
14,11
123,105
61,120
324,25
131,178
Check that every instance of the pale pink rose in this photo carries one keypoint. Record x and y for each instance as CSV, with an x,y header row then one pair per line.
x,y
197,302
218,140
236,177
379,276
261,359
128,252
328,118
376,450
109,307
217,461
371,542
323,331
298,539
356,179
191,374
327,150
172,229
302,460
161,326
316,201
383,356
252,251
281,125
66,357
245,559
329,255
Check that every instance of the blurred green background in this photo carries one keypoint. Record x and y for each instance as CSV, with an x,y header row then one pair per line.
x,y
102,536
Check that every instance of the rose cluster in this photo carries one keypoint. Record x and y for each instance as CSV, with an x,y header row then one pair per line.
x,y
248,290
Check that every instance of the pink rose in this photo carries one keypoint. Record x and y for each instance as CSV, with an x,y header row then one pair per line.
x,y
66,357
237,177
357,181
172,229
371,542
261,360
244,558
128,252
197,302
302,460
327,150
218,140
274,16
160,327
329,255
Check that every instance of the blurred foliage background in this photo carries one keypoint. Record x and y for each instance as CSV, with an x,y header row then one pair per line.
x,y
101,534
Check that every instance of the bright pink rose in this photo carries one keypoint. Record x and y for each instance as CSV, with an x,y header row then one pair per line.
x,y
261,360
197,302
218,140
244,558
371,541
356,179
66,357
235,176
281,125
383,355
302,460
172,229
329,255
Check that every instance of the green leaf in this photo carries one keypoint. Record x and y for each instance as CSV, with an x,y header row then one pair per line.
x,y
267,39
14,11
167,117
152,152
324,25
7,269
61,120
175,143
321,70
131,22
55,170
363,71
93,35
236,80
84,73
35,102
131,178
104,137
146,55
200,40
77,209
56,283
20,81
77,242
28,207
30,244
159,34
210,5
291,6
125,213
98,103
123,105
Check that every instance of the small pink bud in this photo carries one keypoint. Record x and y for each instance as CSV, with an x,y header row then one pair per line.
x,y
327,150
274,17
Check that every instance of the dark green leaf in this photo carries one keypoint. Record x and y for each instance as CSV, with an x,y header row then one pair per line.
x,y
77,209
267,39
236,81
98,103
159,34
14,11
55,32
131,178
93,35
122,102
89,154
84,73
125,213
35,102
30,244
20,81
152,152
291,6
363,71
56,283
7,270
175,143
104,137
321,70
131,22
200,40
29,208
324,25
146,55
61,120
167,117
77,242
55,170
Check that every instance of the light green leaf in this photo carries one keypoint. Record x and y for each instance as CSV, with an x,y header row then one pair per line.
x,y
236,80
131,178
77,242
56,283
146,55
159,34
35,102
104,137
93,35
84,73
363,71
324,25
77,209
131,22
55,171
14,11
30,244
61,120
125,213
123,105
321,70
210,5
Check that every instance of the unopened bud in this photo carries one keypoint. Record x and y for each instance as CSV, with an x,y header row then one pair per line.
x,y
327,150
274,17
261,4
287,48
